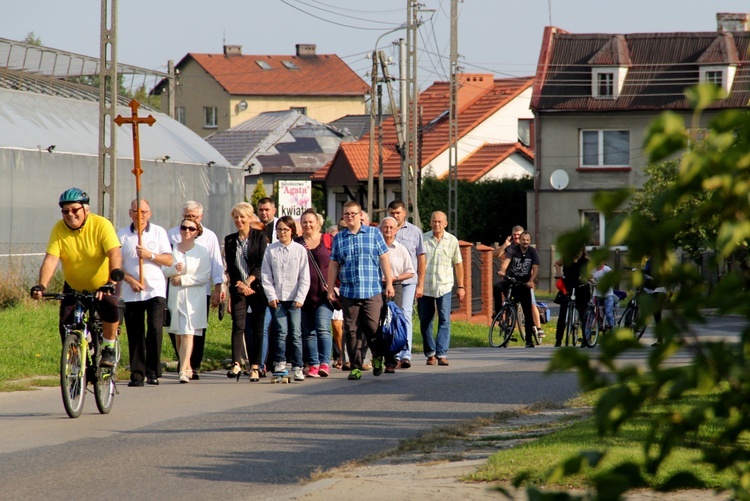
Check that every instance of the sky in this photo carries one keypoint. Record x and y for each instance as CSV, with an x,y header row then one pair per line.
x,y
502,37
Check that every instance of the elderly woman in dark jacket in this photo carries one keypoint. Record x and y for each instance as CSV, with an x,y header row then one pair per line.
x,y
243,252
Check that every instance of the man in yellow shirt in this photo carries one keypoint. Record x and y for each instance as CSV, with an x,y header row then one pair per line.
x,y
88,248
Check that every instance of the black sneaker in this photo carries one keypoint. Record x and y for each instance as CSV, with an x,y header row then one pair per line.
x,y
529,346
108,357
378,364
135,383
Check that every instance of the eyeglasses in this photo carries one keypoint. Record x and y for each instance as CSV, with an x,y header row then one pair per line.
x,y
283,230
188,228
350,214
73,210
134,211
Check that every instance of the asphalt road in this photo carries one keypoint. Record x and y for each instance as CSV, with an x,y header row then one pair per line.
x,y
221,439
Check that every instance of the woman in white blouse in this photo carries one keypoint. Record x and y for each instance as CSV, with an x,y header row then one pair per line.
x,y
188,276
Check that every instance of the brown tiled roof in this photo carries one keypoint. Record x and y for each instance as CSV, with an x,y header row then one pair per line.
x,y
319,75
662,66
479,97
357,155
486,158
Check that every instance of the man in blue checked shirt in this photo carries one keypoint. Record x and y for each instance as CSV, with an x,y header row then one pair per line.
x,y
359,259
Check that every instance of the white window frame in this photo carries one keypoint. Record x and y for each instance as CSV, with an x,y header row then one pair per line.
x,y
600,228
615,73
180,114
600,153
210,117
708,74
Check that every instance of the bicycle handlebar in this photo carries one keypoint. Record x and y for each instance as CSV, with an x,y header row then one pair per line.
x,y
106,288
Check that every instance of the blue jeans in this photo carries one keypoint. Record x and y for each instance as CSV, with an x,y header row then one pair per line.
x,y
427,306
287,320
609,310
407,305
316,334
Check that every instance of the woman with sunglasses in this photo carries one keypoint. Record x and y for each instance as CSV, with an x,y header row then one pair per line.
x,y
188,276
243,252
286,280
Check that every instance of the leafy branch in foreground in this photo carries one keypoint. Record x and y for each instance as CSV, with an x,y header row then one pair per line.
x,y
706,403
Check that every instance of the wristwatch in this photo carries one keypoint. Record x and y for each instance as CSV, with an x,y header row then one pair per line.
x,y
152,257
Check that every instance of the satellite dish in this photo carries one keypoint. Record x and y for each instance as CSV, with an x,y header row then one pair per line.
x,y
242,106
559,179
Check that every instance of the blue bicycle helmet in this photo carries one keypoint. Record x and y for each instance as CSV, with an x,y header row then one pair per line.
x,y
73,195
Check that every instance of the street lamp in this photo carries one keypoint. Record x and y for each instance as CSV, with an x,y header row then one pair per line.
x,y
371,161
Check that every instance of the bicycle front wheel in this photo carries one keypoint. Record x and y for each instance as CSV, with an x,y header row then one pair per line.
x,y
502,327
73,375
573,323
105,384
591,327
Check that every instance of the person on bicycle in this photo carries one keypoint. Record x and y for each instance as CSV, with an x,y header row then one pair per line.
x,y
572,274
87,246
521,262
514,239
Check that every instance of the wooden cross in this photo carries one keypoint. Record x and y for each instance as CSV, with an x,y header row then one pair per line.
x,y
135,120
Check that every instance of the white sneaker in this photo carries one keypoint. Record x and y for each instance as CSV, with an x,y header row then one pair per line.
x,y
298,374
279,367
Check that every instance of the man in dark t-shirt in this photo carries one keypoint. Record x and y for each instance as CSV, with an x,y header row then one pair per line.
x,y
521,262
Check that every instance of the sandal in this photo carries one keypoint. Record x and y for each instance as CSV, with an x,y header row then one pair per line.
x,y
254,375
235,371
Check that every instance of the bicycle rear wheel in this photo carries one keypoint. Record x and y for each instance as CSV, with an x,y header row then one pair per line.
x,y
105,384
73,375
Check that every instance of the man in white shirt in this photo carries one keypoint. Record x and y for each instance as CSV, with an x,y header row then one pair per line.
x,y
194,210
144,296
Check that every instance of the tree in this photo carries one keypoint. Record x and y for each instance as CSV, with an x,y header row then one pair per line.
x,y
707,402
478,206
258,193
694,237
32,39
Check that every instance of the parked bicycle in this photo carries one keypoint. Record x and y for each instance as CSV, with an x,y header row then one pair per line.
x,y
81,353
506,319
595,323
631,317
572,321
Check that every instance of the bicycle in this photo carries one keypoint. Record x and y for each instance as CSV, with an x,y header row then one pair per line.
x,y
506,319
572,322
594,324
79,360
631,317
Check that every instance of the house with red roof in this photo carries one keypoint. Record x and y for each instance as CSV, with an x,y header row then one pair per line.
x,y
215,92
595,96
494,141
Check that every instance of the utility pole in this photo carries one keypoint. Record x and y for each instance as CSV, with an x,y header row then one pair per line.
x,y
107,110
403,120
371,159
412,137
453,125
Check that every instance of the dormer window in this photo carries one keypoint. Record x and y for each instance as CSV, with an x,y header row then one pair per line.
x,y
720,76
606,82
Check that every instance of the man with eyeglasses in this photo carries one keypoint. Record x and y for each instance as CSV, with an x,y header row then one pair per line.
x,y
144,296
194,210
359,257
87,246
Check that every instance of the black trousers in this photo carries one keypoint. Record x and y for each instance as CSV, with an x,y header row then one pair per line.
x,y
247,328
144,344
523,296
199,343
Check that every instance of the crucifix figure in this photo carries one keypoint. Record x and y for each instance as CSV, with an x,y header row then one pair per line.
x,y
135,120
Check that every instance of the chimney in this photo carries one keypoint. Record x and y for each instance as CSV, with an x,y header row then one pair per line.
x,y
471,86
305,49
232,50
730,21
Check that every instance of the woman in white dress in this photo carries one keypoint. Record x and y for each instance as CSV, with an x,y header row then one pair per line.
x,y
188,276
